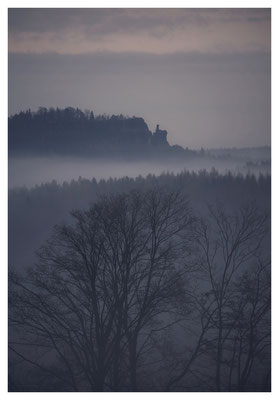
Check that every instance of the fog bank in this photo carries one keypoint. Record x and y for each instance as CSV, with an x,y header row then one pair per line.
x,y
34,171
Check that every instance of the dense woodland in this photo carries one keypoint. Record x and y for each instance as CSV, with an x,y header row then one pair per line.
x,y
150,284
71,131
33,212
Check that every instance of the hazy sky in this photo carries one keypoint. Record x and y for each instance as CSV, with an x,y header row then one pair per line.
x,y
202,74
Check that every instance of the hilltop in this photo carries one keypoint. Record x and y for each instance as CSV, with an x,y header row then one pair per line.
x,y
71,131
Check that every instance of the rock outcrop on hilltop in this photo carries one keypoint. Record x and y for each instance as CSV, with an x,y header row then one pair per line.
x,y
71,131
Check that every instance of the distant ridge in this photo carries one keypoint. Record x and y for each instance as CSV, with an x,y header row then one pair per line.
x,y
71,131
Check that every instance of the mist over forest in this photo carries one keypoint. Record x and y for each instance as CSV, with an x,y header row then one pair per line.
x,y
139,200
135,265
65,144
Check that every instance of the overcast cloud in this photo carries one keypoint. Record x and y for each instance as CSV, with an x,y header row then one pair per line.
x,y
76,31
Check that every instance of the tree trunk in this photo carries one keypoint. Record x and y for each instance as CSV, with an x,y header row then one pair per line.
x,y
133,364
219,355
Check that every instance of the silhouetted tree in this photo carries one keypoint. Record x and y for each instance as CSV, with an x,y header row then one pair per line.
x,y
231,300
251,334
228,245
99,287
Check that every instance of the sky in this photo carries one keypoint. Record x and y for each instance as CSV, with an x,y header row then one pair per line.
x,y
202,74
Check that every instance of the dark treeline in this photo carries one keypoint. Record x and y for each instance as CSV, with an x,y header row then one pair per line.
x,y
71,131
33,212
151,284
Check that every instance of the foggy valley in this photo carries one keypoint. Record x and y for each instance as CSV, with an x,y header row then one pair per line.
x,y
31,171
126,184
139,216
196,219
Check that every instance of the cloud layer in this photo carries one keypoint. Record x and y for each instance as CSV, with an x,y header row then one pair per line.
x,y
156,31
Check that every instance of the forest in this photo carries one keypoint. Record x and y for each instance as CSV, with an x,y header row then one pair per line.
x,y
159,283
71,131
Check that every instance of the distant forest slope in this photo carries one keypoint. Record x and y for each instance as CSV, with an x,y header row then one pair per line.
x,y
71,131
33,212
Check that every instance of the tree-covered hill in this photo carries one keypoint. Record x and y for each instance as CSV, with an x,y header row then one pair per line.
x,y
71,131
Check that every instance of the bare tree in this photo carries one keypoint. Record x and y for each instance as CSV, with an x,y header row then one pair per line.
x,y
250,316
230,295
88,305
228,244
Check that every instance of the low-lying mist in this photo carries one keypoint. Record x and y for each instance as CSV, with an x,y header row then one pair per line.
x,y
30,171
